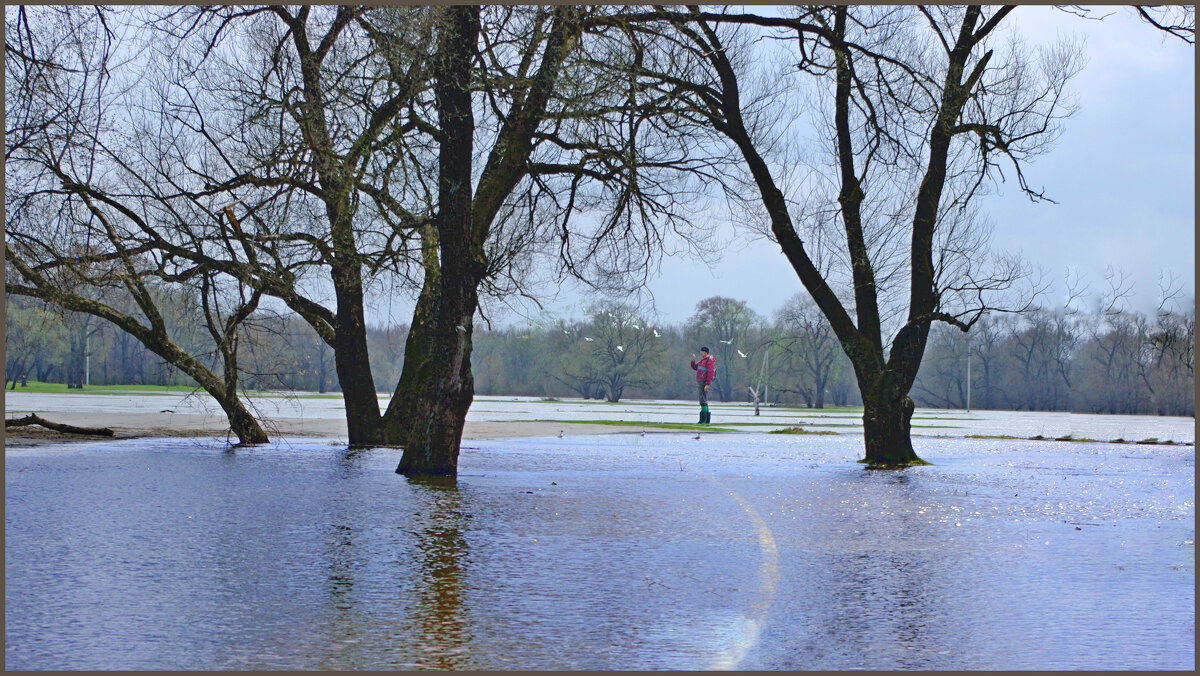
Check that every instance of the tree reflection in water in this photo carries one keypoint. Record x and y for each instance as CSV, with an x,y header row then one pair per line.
x,y
396,595
441,550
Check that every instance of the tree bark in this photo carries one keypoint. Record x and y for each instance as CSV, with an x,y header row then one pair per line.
x,y
887,421
352,362
34,419
429,409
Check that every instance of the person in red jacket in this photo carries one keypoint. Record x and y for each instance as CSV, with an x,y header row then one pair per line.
x,y
706,370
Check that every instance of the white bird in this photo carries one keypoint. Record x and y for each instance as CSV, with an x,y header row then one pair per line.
x,y
587,339
727,342
460,327
656,333
608,313
635,326
622,349
566,332
741,354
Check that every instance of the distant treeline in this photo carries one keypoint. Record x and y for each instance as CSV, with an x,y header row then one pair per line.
x,y
1046,360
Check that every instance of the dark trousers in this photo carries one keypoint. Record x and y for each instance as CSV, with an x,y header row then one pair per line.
x,y
703,394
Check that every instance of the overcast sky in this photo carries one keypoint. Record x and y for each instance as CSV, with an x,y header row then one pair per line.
x,y
1123,175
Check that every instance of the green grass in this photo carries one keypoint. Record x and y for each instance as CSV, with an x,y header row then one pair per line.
x,y
714,406
37,386
800,430
1068,437
61,388
648,425
1065,437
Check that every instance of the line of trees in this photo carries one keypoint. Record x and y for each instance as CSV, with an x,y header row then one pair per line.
x,y
1105,360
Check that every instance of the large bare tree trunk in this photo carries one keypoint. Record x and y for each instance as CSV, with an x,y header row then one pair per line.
x,y
436,386
887,423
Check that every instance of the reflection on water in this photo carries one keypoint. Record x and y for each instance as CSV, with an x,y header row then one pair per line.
x,y
444,630
600,553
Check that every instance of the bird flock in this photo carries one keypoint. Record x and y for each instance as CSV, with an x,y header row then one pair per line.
x,y
654,331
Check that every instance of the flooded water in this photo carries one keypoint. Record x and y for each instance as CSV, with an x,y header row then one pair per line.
x,y
611,552
926,422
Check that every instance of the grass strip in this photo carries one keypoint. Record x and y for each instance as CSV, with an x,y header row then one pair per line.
x,y
801,430
1152,441
635,423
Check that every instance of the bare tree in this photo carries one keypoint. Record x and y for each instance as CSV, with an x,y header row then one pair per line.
x,y
34,335
809,357
311,155
69,241
925,104
1172,351
614,349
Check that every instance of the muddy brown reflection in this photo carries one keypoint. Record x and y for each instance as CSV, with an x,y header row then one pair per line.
x,y
440,611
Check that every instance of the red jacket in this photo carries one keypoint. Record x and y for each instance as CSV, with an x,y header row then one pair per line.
x,y
706,370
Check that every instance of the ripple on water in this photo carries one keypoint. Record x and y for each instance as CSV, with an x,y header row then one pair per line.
x,y
601,552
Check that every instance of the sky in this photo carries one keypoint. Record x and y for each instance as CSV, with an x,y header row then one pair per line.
x,y
1122,174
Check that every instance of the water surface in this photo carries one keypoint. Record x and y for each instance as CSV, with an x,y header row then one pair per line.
x,y
607,552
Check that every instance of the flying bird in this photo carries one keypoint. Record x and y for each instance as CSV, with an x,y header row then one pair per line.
x,y
635,326
727,342
741,354
656,333
587,339
620,348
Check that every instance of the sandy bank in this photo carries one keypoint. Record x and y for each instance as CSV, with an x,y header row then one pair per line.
x,y
133,425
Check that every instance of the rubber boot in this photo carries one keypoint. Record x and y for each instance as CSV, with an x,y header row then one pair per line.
x,y
701,421
705,415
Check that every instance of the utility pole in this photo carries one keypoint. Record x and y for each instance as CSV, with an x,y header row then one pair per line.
x,y
968,377
767,373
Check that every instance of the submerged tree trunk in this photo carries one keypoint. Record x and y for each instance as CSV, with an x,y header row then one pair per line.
x,y
887,422
247,429
436,386
429,407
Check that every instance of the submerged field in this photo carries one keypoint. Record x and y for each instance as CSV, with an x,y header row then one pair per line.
x,y
649,414
619,551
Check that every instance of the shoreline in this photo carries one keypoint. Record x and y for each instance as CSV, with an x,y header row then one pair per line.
x,y
142,425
